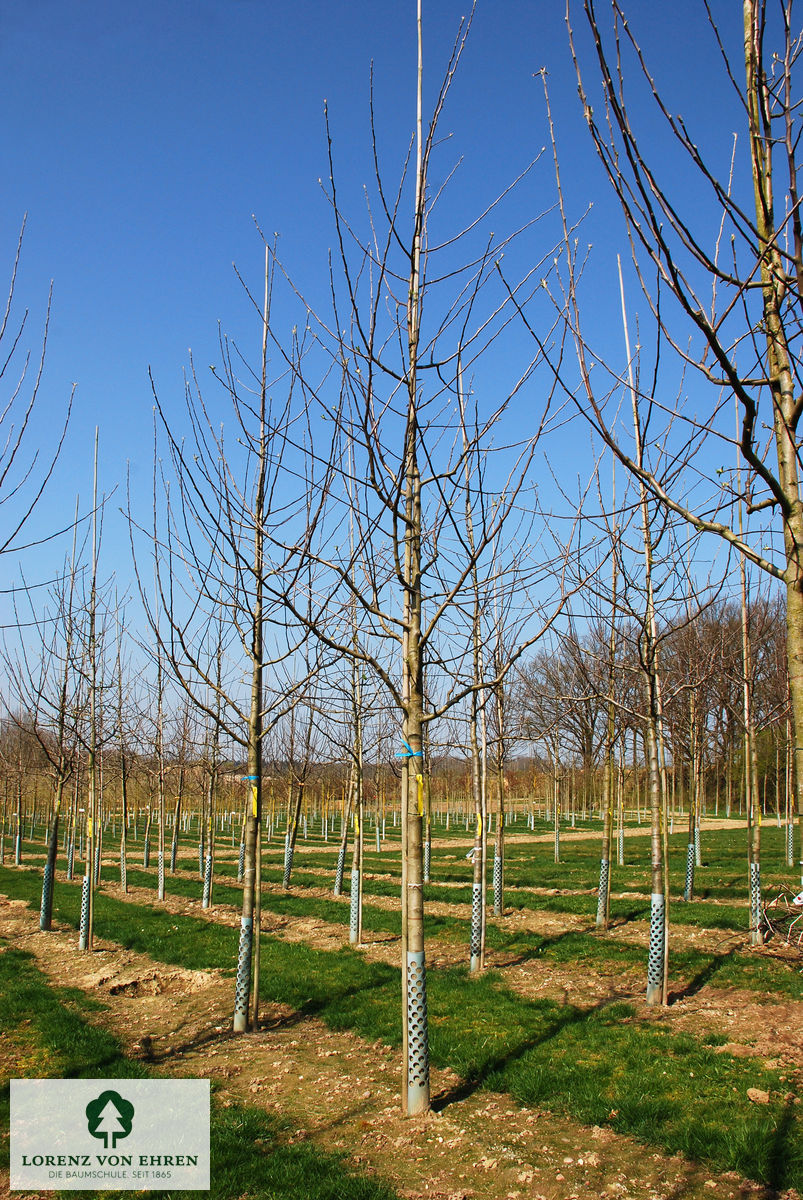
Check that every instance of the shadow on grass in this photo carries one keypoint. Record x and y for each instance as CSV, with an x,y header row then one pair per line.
x,y
703,977
514,956
474,1082
621,916
320,1004
781,1157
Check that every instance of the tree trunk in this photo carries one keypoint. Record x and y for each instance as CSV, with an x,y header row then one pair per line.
x,y
46,909
293,818
249,930
124,824
499,843
174,839
688,890
344,837
87,922
604,892
206,901
780,372
479,838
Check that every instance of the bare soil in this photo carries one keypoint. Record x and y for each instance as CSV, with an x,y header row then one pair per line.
x,y
341,1092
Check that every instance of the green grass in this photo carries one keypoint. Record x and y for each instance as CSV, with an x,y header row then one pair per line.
x,y
609,1067
723,877
249,1151
688,967
587,948
604,1066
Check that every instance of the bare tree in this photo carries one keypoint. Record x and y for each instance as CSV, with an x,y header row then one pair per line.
x,y
47,688
212,765
92,650
298,753
719,262
25,469
409,342
211,538
123,752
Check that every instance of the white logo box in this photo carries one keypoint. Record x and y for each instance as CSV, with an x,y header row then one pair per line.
x,y
139,1134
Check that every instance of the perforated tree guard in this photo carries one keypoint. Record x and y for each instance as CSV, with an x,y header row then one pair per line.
x,y
497,885
621,845
243,985
354,909
207,896
97,861
288,863
476,924
756,932
146,854
46,908
417,1034
602,895
18,849
339,869
83,929
71,859
241,863
161,875
427,859
378,844
688,890
697,851
123,871
790,843
173,853
200,860
655,961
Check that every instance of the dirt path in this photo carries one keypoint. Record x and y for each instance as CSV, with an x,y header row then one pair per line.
x,y
341,1092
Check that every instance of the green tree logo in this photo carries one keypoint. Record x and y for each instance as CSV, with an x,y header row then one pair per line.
x,y
110,1116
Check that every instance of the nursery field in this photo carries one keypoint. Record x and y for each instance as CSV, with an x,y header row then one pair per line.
x,y
551,1077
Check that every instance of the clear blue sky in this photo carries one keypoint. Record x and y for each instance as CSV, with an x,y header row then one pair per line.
x,y
141,139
